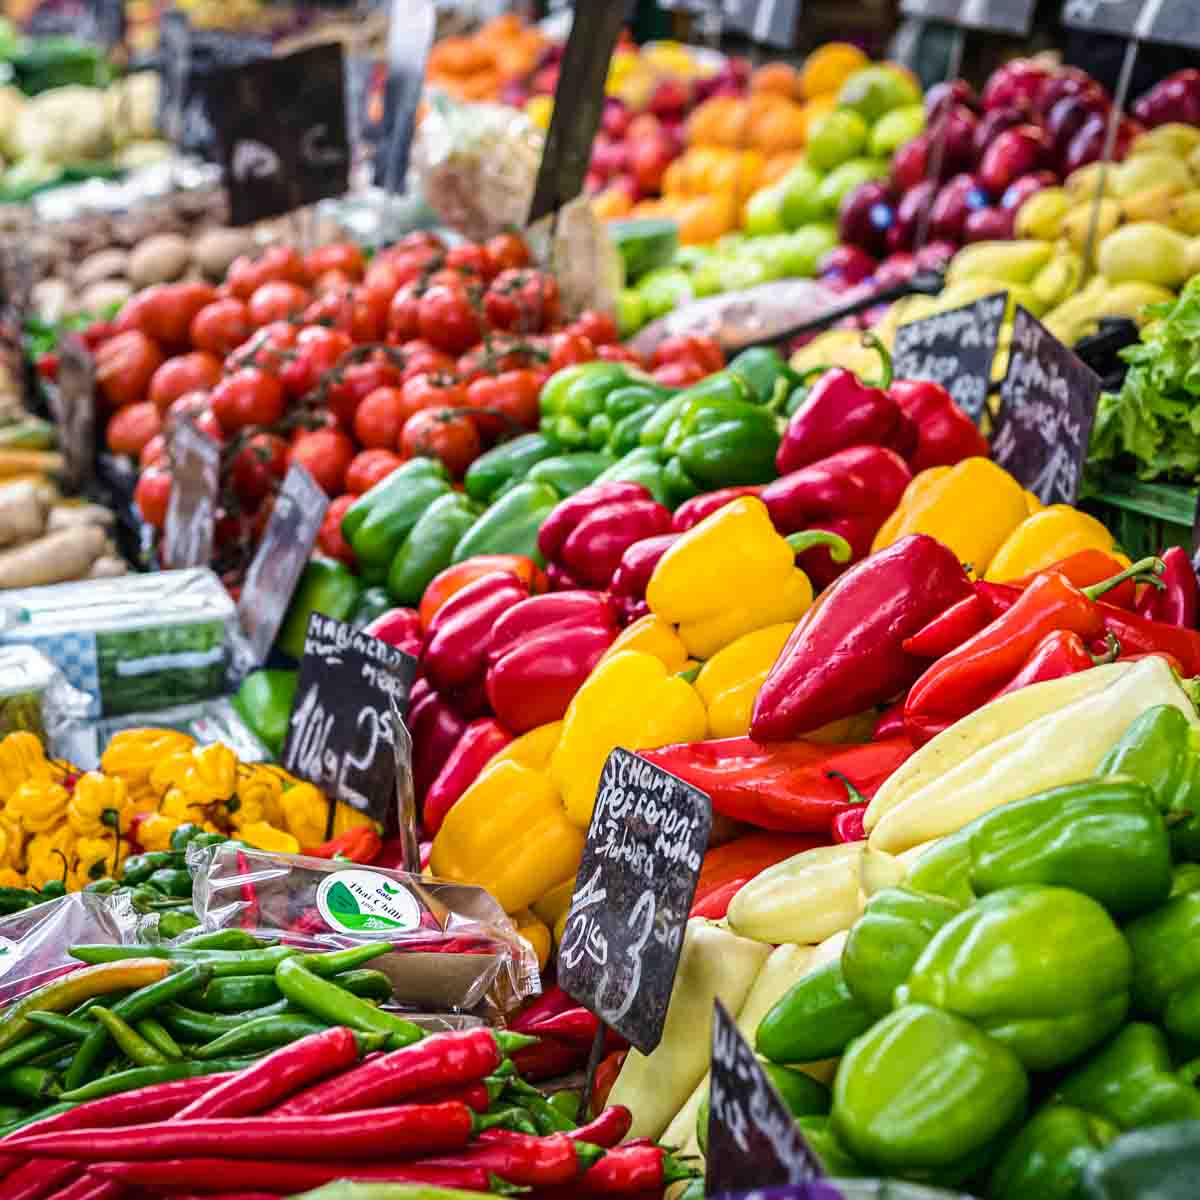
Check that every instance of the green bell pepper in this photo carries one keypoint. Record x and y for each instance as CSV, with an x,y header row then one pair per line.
x,y
762,367
377,523
1160,1163
627,430
655,430
511,525
885,942
571,473
925,1095
428,548
816,1018
1047,1158
945,870
599,430
802,1094
264,702
1102,837
1162,750
374,602
635,397
725,445
326,586
1043,970
1166,953
1129,1081
505,465
570,398
1185,878
836,1160
643,465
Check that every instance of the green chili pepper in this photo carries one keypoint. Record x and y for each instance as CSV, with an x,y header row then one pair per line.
x,y
237,993
326,1000
377,523
54,890
102,887
816,1018
567,1103
226,939
139,1077
505,465
71,1028
204,1027
181,838
173,924
14,900
222,962
172,881
157,1036
546,1117
370,985
128,1040
263,1033
28,1048
571,473
427,549
32,1083
511,525
336,961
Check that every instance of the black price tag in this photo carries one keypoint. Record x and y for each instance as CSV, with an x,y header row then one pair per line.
x,y
995,16
956,349
73,406
98,21
410,35
192,511
280,127
768,22
578,104
291,533
624,931
340,733
1175,22
1049,402
753,1141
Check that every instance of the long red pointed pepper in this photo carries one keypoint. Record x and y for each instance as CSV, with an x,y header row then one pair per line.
x,y
523,1160
1177,602
605,1130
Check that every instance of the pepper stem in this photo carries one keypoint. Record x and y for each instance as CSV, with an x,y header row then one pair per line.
x,y
885,382
509,1043
839,549
588,1155
673,1171
856,797
689,676
1112,648
1145,570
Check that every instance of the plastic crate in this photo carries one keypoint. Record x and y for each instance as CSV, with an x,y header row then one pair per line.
x,y
1145,518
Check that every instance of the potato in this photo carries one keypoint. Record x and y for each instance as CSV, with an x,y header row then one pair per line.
x,y
55,558
102,295
107,264
159,259
65,516
108,566
22,512
217,248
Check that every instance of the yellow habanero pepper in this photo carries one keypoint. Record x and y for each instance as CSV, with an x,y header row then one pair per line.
x,y
306,813
12,879
216,770
732,574
40,806
96,857
971,507
729,682
508,834
633,701
651,635
45,854
261,791
1048,537
133,753
532,749
154,832
98,803
262,836
12,841
21,759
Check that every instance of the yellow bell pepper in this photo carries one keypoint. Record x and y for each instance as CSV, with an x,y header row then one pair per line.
x,y
730,575
98,803
1048,537
39,805
1033,504
21,759
509,835
133,753
532,749
154,833
551,907
632,701
971,507
306,812
729,682
262,836
536,932
651,635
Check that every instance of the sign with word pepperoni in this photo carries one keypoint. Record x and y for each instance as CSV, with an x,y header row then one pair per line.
x,y
624,931
999,16
340,733
955,349
1048,404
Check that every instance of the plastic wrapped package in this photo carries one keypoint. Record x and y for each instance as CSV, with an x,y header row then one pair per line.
x,y
131,644
476,165
34,696
455,949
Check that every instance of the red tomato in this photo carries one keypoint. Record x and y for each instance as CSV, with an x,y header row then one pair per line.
x,y
165,311
207,423
268,348
445,433
598,326
125,364
189,405
420,358
337,282
317,350
511,401
220,327
337,256
152,496
246,275
567,349
276,301
368,468
154,451
195,372
403,323
469,258
368,315
437,390
329,537
448,320
498,353
258,467
383,278
615,352
454,277
380,417
506,251
326,453
679,374
130,428
247,397
704,351
410,264
417,239
523,300
357,381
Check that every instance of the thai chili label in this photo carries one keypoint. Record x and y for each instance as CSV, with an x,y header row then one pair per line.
x,y
357,902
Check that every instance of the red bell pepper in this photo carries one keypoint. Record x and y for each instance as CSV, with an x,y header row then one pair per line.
x,y
481,740
945,434
890,723
1139,637
455,652
850,493
846,655
399,627
728,868
794,787
1177,602
436,729
628,588
583,539
693,511
841,411
454,578
540,652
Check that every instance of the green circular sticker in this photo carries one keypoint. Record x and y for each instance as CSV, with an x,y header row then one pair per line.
x,y
366,902
10,952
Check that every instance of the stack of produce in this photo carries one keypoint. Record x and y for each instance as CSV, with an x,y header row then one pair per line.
x,y
486,64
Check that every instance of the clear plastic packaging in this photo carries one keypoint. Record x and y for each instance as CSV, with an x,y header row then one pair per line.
x,y
455,949
34,696
134,643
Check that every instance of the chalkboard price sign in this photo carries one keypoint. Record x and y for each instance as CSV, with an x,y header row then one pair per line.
x,y
996,16
340,734
753,1141
192,511
956,349
280,126
1049,402
624,930
73,406
1175,22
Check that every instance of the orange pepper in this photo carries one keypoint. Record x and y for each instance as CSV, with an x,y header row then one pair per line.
x,y
456,577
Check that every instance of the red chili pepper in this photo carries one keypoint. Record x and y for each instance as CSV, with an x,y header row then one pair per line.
x,y
454,578
248,917
1058,654
229,1196
1084,568
950,629
89,1187
1139,636
443,1060
523,1160
549,1059
47,364
474,1095
794,787
549,1004
399,627
628,587
480,742
1177,602
945,434
630,1169
361,844
436,729
714,905
38,1179
97,333
607,1129
693,511
540,653
737,862
848,826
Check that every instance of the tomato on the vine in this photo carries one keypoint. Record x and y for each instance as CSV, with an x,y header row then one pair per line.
x,y
356,381
598,326
453,277
318,349
277,301
188,406
165,311
329,537
268,348
368,467
220,327
704,351
258,467
326,454
680,374
500,352
194,372
420,358
368,315
615,352
125,364
380,417
336,282
469,258
335,256
152,495
523,300
448,434
511,401
448,319
403,323
568,349
208,424
132,427
248,397
414,263
505,252
246,275
437,389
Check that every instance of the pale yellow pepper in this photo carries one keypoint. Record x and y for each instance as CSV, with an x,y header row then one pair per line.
x,y
730,681
651,635
1048,537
